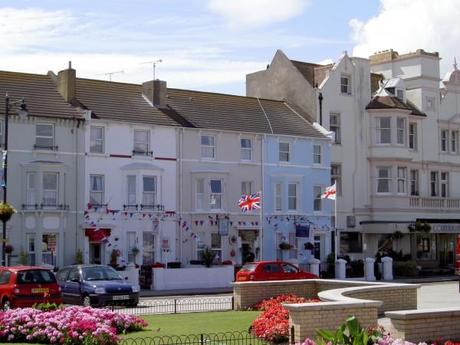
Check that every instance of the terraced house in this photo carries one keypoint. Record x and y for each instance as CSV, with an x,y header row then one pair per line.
x,y
155,175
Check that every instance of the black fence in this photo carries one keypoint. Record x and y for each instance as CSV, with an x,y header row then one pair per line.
x,y
228,338
176,305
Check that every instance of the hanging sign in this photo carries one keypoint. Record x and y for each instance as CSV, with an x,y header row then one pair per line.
x,y
302,230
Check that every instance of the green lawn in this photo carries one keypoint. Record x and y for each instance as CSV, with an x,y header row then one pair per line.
x,y
196,323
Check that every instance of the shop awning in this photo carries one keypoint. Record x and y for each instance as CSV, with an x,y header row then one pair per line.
x,y
97,234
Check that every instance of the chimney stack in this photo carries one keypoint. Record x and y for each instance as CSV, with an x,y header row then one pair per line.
x,y
67,83
155,91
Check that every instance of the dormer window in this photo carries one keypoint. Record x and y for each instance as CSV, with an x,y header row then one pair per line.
x,y
400,94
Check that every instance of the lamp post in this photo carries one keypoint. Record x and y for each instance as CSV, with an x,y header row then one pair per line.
x,y
22,112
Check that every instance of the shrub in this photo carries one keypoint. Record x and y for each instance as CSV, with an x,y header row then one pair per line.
x,y
273,323
405,268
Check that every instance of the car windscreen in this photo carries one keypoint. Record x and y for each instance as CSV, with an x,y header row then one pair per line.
x,y
35,277
249,267
100,273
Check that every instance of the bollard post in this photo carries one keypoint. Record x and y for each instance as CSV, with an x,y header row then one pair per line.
x,y
369,269
387,263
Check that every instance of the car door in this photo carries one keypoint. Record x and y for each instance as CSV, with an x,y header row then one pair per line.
x,y
5,286
72,294
290,271
271,271
61,277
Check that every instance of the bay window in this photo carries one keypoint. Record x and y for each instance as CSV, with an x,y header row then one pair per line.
x,y
400,131
414,182
149,190
50,189
402,177
444,184
383,179
383,127
215,200
434,183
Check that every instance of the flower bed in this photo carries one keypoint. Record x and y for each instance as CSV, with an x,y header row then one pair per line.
x,y
273,323
69,326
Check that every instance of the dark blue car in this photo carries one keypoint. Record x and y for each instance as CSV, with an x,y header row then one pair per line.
x,y
95,285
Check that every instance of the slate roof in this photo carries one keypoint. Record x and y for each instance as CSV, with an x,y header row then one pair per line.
x,y
393,102
239,113
314,73
119,101
40,94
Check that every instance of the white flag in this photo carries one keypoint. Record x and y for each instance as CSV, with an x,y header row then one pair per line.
x,y
329,193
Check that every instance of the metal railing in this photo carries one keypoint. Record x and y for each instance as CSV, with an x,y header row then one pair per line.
x,y
178,305
227,338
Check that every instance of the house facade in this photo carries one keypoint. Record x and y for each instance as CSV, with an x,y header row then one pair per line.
x,y
44,157
395,130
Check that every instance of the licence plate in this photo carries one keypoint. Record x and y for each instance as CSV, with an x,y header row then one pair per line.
x,y
120,298
40,290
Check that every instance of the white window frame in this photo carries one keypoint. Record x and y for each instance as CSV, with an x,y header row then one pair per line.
x,y
284,152
278,199
100,193
400,131
444,140
148,196
345,87
444,184
380,178
246,188
141,148
454,142
379,129
206,149
219,197
97,145
317,154
294,197
131,191
31,191
413,136
46,192
336,177
217,250
334,126
52,137
434,184
246,151
401,180
199,195
414,183
317,201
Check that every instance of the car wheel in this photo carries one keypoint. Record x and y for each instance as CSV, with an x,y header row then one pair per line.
x,y
86,301
6,304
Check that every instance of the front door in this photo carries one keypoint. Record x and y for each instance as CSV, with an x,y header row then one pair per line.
x,y
95,256
447,250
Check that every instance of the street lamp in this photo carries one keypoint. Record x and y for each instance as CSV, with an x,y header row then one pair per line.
x,y
22,112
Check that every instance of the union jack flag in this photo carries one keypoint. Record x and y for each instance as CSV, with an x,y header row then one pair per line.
x,y
249,202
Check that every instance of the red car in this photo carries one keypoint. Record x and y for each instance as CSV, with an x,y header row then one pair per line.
x,y
23,286
271,270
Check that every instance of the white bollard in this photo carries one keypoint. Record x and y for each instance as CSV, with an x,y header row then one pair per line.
x,y
387,263
340,266
314,266
369,269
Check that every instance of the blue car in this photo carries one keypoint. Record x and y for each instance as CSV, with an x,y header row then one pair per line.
x,y
95,285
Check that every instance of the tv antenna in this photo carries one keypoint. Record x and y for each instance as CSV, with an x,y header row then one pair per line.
x,y
110,74
154,64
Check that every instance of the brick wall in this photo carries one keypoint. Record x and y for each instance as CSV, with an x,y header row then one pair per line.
x,y
424,325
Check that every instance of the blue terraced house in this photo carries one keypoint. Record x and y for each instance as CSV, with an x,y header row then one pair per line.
x,y
296,170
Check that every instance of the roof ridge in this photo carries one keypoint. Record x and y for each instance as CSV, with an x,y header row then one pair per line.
x,y
268,120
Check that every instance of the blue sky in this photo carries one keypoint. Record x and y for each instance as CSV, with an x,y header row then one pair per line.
x,y
209,44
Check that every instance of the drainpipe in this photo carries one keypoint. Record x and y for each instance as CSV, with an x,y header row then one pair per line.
x,y
320,99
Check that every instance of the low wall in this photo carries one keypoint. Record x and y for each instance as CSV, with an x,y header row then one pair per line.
x,y
426,324
308,318
340,299
192,278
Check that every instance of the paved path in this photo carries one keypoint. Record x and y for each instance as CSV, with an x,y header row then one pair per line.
x,y
438,295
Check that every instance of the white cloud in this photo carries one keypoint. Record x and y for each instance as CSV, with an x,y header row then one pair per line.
x,y
407,25
241,14
26,28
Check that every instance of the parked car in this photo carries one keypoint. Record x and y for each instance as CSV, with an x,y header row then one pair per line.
x,y
271,270
23,286
96,285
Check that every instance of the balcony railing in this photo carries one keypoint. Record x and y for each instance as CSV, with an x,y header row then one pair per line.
x,y
434,203
61,207
143,207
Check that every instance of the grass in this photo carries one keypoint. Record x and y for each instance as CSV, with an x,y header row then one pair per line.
x,y
195,323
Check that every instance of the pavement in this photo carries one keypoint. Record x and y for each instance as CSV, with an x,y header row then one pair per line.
x,y
229,290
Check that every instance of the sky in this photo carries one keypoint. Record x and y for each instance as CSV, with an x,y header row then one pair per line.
x,y
212,44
